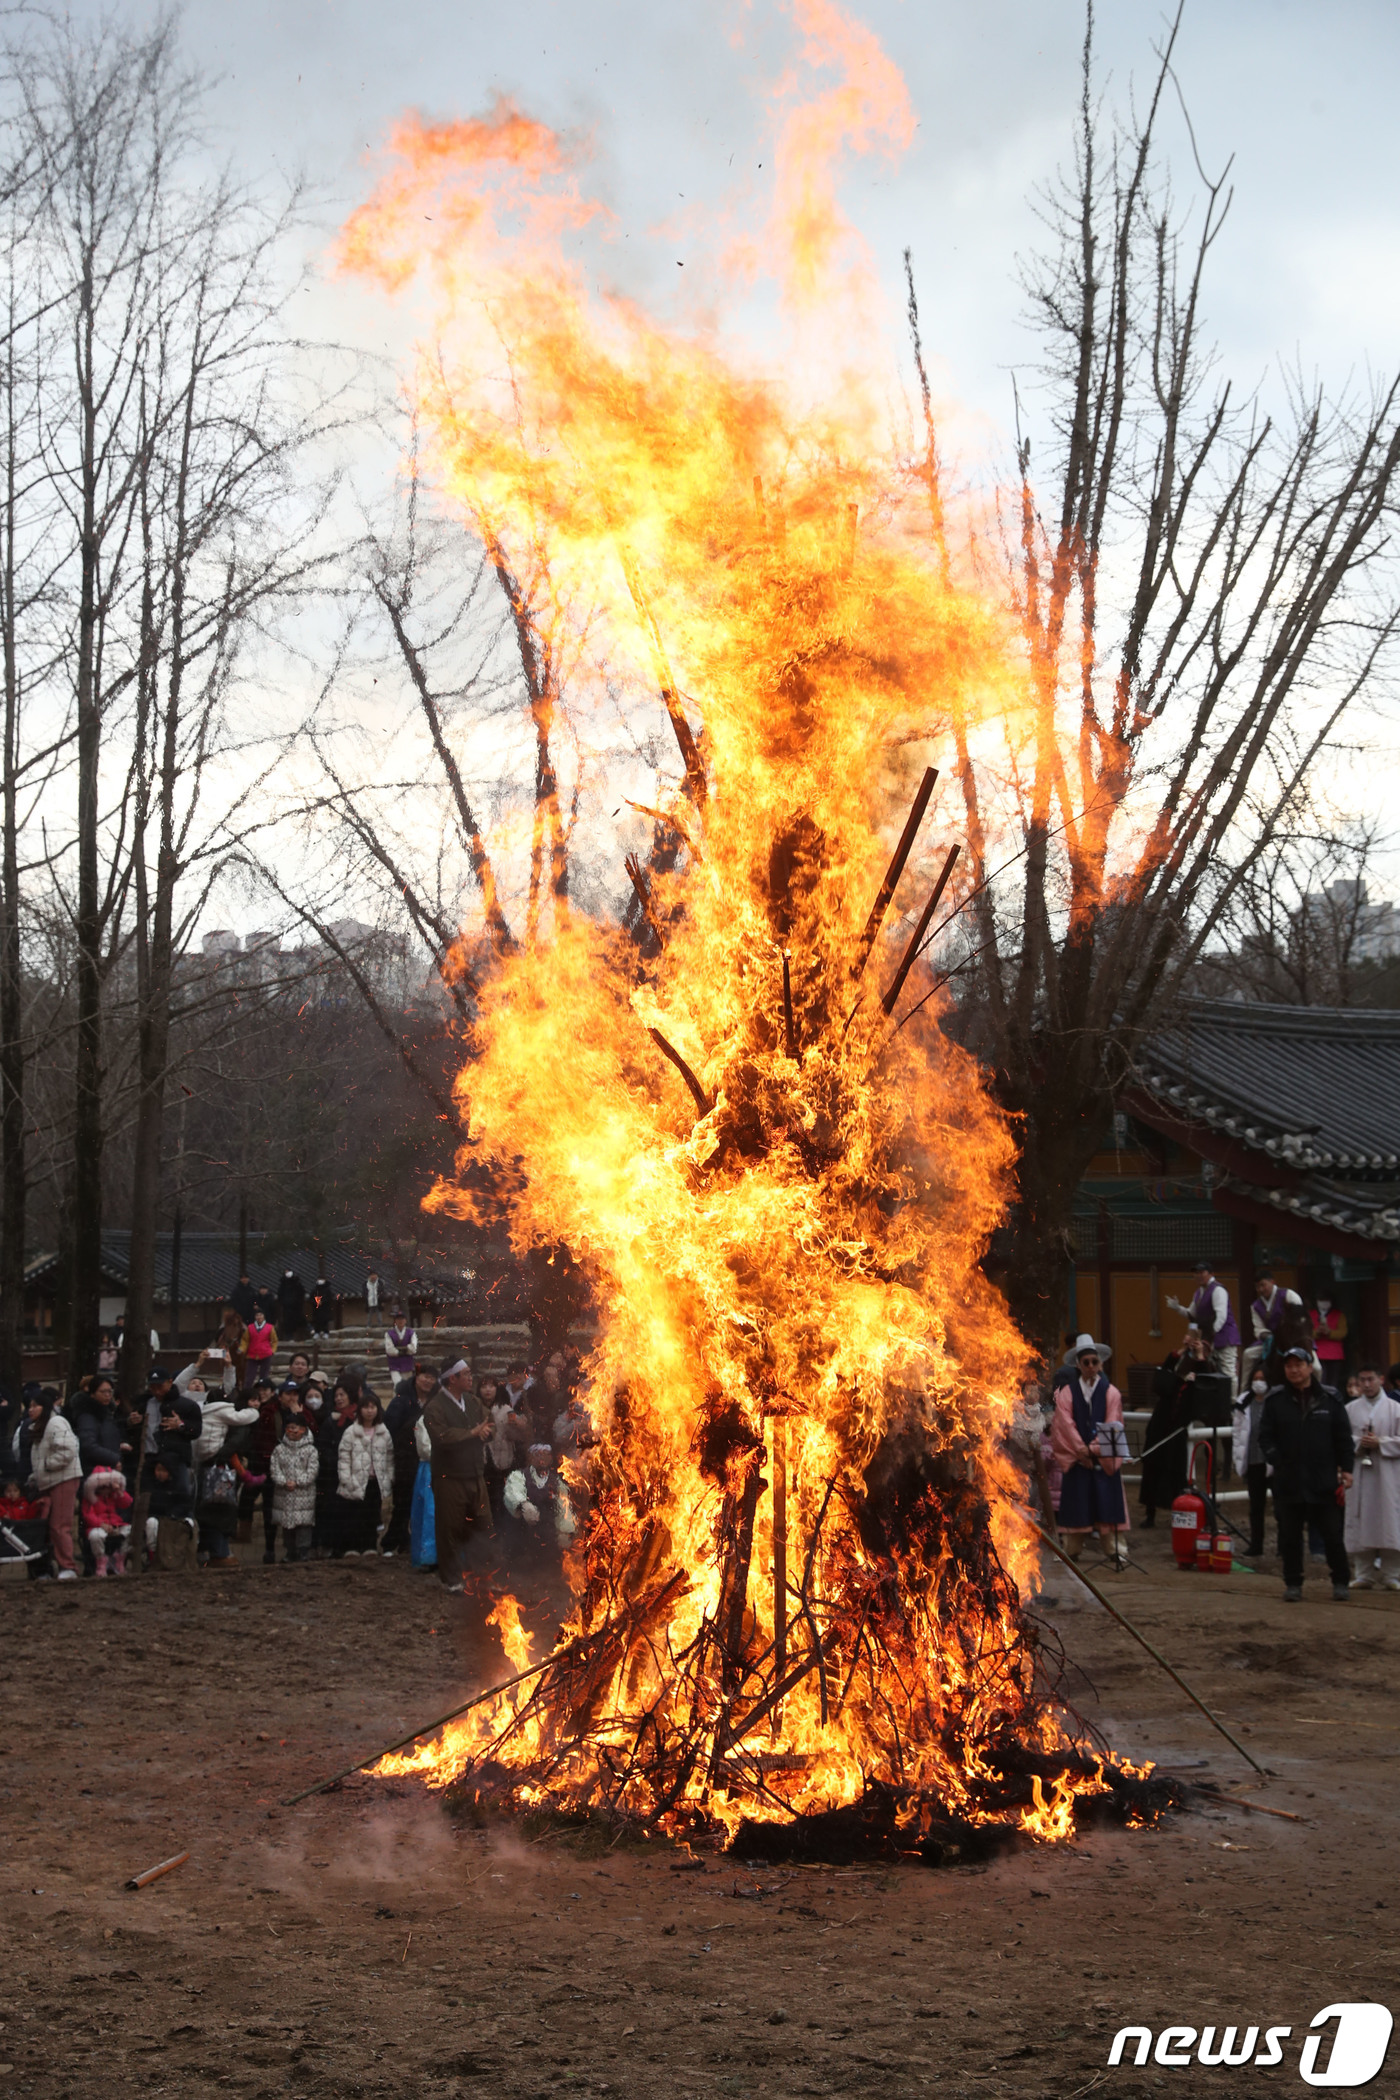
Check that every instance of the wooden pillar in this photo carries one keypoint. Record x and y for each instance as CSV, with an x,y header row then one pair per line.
x,y
778,1438
1373,1341
1246,1260
1105,1333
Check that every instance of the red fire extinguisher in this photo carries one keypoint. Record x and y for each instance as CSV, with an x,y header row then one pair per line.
x,y
1191,1521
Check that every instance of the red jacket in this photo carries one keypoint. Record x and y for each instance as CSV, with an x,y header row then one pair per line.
x,y
23,1511
105,1509
262,1342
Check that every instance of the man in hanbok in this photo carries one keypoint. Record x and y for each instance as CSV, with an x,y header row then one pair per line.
x,y
1278,1322
1212,1315
1090,1444
1373,1499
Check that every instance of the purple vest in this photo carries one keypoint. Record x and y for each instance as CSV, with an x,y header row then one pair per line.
x,y
1227,1335
1273,1317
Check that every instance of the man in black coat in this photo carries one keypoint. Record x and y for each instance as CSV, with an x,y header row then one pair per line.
x,y
291,1306
243,1298
1306,1437
322,1308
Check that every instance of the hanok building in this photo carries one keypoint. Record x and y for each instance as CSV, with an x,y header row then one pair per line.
x,y
1247,1135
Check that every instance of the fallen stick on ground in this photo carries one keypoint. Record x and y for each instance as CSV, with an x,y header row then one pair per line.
x,y
139,1881
1109,1606
1260,1808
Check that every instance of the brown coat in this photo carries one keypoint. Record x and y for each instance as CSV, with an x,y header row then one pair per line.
x,y
457,1453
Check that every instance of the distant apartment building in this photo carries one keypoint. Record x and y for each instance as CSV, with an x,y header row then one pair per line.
x,y
1372,930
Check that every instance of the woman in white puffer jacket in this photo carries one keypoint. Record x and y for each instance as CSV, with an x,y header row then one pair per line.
x,y
57,1471
365,1480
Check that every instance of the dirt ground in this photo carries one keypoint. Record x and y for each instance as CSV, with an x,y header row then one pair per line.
x,y
366,1943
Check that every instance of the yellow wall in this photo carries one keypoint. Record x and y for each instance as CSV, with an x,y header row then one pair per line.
x,y
1133,1339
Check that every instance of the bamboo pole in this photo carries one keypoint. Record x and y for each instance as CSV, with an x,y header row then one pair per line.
x,y
789,1030
778,1427
894,871
907,963
1111,1608
140,1881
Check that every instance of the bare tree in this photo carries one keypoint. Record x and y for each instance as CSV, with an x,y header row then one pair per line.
x,y
1193,578
163,438
24,775
101,116
412,794
225,541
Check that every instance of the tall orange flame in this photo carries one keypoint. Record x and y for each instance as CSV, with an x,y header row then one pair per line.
x,y
785,1244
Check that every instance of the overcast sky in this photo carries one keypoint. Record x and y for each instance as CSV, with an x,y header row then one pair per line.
x,y
673,95
674,98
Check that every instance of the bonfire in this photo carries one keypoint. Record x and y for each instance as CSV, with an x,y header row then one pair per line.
x,y
803,1586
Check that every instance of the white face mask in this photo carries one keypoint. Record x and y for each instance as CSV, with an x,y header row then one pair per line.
x,y
1260,1385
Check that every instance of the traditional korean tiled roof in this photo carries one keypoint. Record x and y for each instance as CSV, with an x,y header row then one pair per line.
x,y
1316,1089
209,1266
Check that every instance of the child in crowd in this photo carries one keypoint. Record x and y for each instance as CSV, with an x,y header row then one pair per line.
x,y
106,1525
364,1479
294,1466
24,1527
170,1525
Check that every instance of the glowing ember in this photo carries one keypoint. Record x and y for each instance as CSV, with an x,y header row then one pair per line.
x,y
797,1588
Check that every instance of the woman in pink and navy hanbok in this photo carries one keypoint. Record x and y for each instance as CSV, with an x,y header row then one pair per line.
x,y
1090,1445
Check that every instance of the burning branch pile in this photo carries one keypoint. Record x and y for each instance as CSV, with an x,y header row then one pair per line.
x,y
799,1580
796,1587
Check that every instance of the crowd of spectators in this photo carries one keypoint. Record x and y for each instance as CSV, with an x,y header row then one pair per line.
x,y
1322,1445
93,1484
444,1464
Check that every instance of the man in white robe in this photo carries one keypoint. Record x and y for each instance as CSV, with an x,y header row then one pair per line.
x,y
1373,1499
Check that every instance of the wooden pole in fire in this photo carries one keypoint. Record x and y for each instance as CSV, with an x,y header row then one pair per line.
x,y
894,871
916,938
778,1429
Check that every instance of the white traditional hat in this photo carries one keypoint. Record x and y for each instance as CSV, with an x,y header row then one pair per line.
x,y
1083,1343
